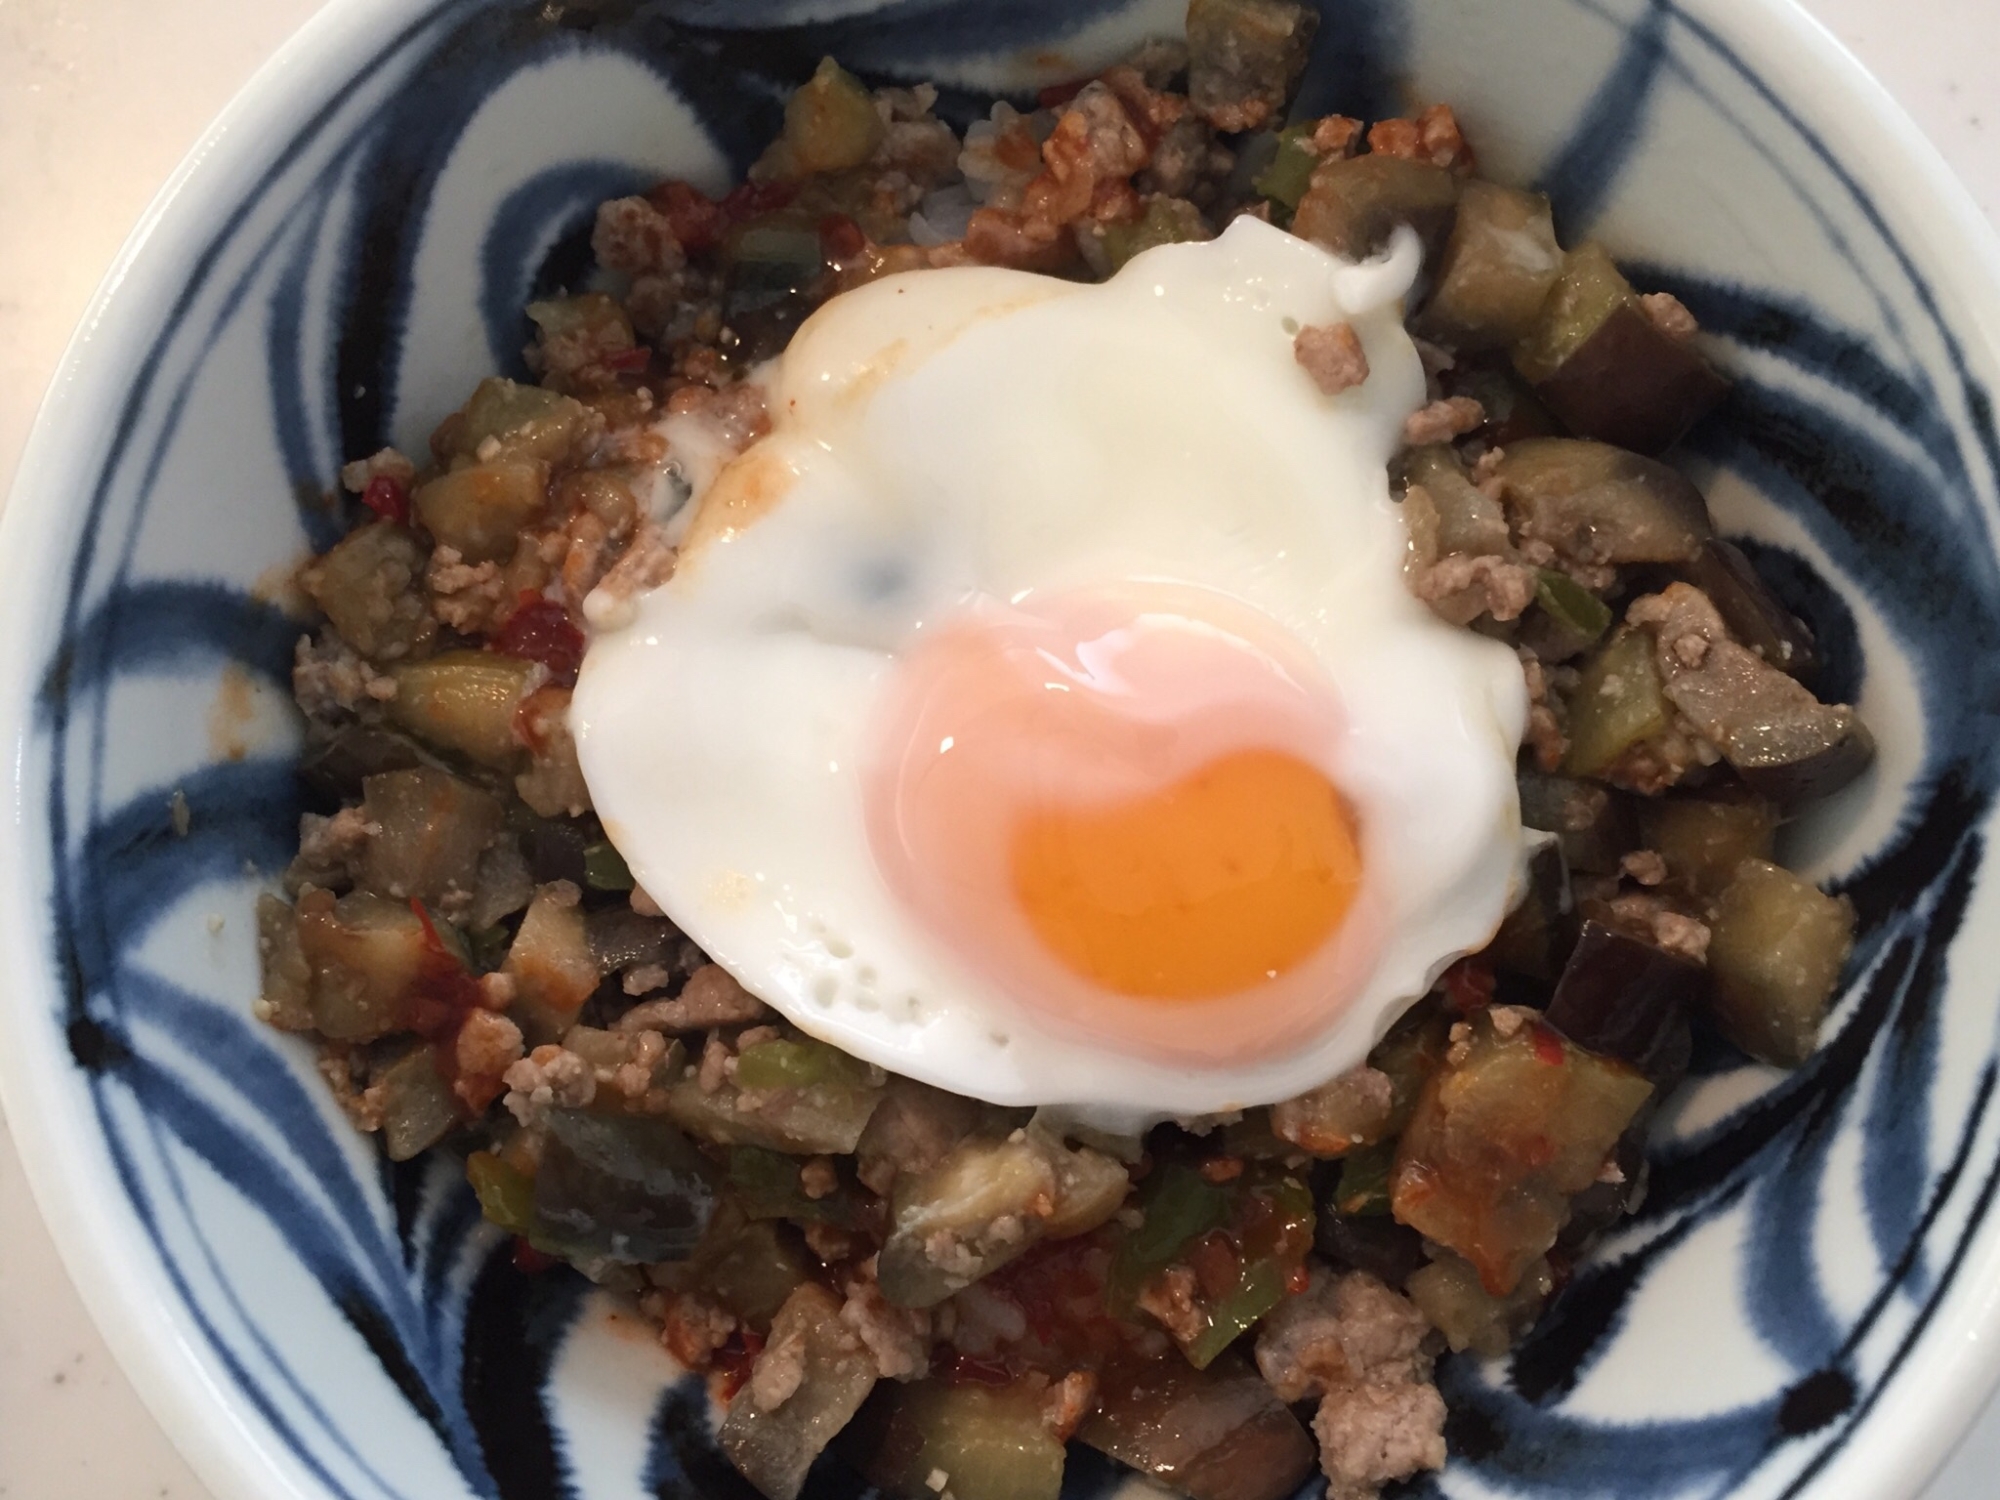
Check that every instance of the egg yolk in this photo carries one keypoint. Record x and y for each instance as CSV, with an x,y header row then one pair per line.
x,y
1228,877
1122,799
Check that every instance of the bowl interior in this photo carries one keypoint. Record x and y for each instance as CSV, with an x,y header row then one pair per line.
x,y
355,253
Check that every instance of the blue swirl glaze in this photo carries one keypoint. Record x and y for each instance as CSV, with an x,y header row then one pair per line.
x,y
469,1340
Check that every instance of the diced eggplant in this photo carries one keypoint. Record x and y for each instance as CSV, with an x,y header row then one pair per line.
x,y
1166,221
1468,519
592,321
1536,938
776,277
501,886
627,1188
1244,57
557,848
1703,840
506,1193
285,994
831,125
1624,998
526,422
1355,202
367,956
1750,610
978,1209
1090,1188
371,586
465,701
1604,1203
1448,1293
791,1094
419,1108
1496,271
1594,825
1508,1130
337,758
1514,413
912,1130
752,1270
1374,1243
1411,1052
990,1443
1620,702
1776,949
431,829
766,1185
621,938
1600,504
1795,764
1214,1434
822,1372
551,965
480,510
1351,1110
1606,369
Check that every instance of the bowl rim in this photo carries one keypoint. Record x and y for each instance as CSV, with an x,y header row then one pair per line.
x,y
1924,1410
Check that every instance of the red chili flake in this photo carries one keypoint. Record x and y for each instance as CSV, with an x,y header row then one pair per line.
x,y
694,217
529,1261
541,630
841,240
445,995
1216,1265
627,361
752,200
1056,95
1300,1278
1468,985
1548,1046
389,498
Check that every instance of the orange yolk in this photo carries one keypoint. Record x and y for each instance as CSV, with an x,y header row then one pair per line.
x,y
1224,879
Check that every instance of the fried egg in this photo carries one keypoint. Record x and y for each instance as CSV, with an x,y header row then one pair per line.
x,y
1039,710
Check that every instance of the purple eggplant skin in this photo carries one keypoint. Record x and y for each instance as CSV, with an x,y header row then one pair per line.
x,y
1594,825
622,1187
1536,937
1374,1243
1848,751
1214,1434
1750,610
1633,386
1625,998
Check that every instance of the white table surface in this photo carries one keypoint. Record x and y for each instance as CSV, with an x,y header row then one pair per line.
x,y
98,101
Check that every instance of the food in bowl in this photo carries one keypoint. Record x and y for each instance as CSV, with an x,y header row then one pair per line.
x,y
1031,815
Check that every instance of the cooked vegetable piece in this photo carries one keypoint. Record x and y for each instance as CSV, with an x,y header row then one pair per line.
x,y
1506,1132
1704,840
556,848
431,830
1287,174
1166,221
465,701
368,956
1776,949
480,510
979,1208
808,1382
1496,271
911,1130
506,1193
752,1270
1410,1054
1619,702
1244,56
626,1188
766,1184
1364,1180
369,584
1600,504
1090,1188
1594,826
1355,202
551,965
1177,1205
1468,519
1606,369
1448,1292
801,1096
1214,1434
1624,998
336,758
604,868
990,1443
1536,937
1513,411
1579,616
418,1106
1751,611
527,422
620,938
1350,1110
775,272
285,994
1369,1242
831,125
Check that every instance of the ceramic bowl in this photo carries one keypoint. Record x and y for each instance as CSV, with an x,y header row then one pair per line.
x,y
1806,1303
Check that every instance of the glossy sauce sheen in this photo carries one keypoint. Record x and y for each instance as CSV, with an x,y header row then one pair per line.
x,y
1040,711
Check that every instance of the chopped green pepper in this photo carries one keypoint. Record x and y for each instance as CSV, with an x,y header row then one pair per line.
x,y
1179,1205
795,1063
1285,180
604,868
1364,1179
1269,1236
766,1183
1580,613
506,1194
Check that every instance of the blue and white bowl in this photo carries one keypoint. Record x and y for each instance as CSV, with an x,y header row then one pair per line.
x,y
1806,1304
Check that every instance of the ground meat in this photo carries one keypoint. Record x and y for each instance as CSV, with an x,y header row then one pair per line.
x,y
468,597
386,464
644,565
553,784
1433,136
1332,354
716,1060
1654,764
1002,155
1186,163
1649,914
331,850
1169,1297
635,238
1337,137
1070,1400
1370,1435
1350,1110
1441,421
1645,866
692,1327
1244,58
1461,588
779,1371
487,1046
548,1078
1088,161
899,1338
1342,1330
711,997
361,1103
1667,313
829,1242
332,681
817,1178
